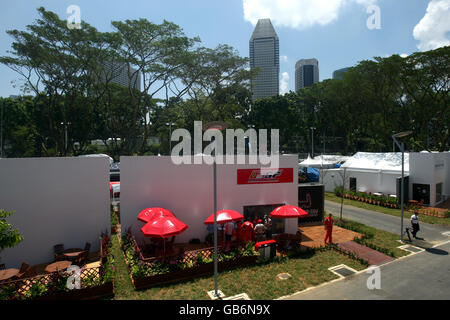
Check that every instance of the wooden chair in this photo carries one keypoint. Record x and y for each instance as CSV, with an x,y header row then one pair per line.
x,y
26,271
58,249
82,259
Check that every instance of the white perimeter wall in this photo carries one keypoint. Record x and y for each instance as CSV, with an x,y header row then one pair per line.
x,y
187,191
56,200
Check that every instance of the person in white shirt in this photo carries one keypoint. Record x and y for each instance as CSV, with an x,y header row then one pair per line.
x,y
415,224
229,228
260,231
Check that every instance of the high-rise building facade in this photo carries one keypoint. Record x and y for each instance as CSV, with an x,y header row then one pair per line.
x,y
265,55
117,72
339,74
306,73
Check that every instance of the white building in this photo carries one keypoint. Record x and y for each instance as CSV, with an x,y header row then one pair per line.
x,y
187,191
428,175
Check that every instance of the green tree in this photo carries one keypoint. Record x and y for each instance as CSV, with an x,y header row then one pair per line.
x,y
9,237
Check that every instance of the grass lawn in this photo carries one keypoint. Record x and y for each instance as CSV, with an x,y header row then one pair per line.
x,y
376,238
258,281
393,212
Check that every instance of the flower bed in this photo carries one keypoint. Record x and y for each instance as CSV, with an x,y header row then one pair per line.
x,y
383,201
96,282
145,274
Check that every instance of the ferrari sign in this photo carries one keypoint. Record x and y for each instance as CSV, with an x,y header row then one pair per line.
x,y
257,176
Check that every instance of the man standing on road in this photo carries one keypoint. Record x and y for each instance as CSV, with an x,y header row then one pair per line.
x,y
415,224
329,228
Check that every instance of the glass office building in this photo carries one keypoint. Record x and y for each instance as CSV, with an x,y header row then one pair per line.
x,y
306,73
264,55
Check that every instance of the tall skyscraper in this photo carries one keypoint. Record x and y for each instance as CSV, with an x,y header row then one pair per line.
x,y
306,73
339,74
265,55
117,72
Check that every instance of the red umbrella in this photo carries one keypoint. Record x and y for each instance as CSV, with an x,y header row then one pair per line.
x,y
225,216
288,212
163,227
149,214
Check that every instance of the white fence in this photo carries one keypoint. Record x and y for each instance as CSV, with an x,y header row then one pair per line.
x,y
56,200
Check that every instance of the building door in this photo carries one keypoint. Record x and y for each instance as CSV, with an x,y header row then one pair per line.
x,y
353,184
421,193
252,213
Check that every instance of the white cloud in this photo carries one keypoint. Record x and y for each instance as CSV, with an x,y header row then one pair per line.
x,y
403,55
283,58
431,31
284,86
297,14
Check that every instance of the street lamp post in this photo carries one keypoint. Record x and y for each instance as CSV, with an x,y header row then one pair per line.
x,y
1,134
216,125
312,141
65,136
170,124
401,145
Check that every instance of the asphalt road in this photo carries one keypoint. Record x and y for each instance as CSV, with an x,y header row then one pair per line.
x,y
429,232
424,275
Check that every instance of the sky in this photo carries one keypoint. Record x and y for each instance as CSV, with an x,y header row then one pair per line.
x,y
339,33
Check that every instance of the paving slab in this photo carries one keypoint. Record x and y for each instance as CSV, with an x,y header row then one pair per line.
x,y
372,256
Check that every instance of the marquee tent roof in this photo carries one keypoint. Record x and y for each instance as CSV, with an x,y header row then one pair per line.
x,y
377,161
323,160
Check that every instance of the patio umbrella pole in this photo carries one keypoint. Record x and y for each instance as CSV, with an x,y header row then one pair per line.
x,y
215,227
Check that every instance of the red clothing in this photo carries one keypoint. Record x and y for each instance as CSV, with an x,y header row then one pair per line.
x,y
329,229
247,231
328,223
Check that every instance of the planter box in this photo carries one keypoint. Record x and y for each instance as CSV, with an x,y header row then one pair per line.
x,y
197,271
102,291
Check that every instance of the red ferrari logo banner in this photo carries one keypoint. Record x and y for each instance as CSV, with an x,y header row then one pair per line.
x,y
257,176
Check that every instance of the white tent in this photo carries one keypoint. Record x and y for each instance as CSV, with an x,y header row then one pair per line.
x,y
325,161
388,162
111,160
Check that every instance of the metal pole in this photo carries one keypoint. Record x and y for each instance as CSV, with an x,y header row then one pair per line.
x,y
312,142
65,150
215,226
402,189
170,139
1,134
342,198
393,143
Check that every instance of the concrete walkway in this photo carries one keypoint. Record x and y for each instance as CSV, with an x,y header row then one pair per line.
x,y
430,232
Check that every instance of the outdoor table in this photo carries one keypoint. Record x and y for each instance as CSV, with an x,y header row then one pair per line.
x,y
58,266
73,253
8,274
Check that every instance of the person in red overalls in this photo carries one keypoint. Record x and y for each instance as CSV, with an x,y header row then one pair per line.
x,y
247,231
329,228
239,231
